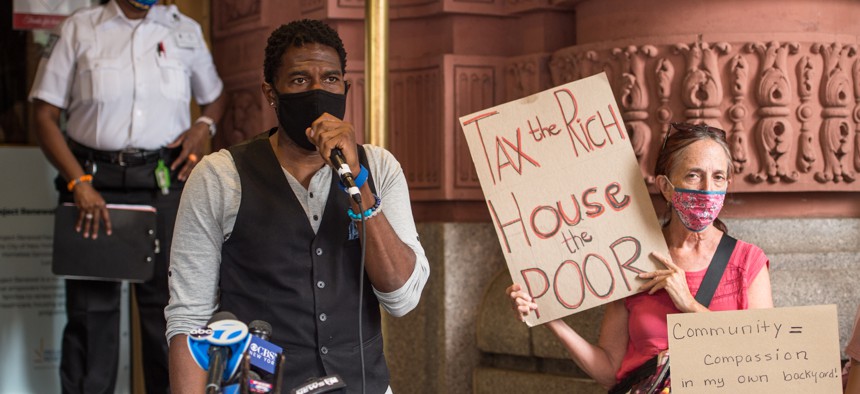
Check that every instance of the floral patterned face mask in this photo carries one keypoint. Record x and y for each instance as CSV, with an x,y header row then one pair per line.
x,y
697,209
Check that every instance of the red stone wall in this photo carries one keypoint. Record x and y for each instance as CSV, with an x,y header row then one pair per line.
x,y
782,77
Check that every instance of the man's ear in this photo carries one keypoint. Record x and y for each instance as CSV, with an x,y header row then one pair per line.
x,y
269,93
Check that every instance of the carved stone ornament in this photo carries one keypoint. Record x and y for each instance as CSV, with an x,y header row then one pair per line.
x,y
835,98
856,73
770,97
774,133
738,112
702,87
521,74
665,73
633,100
805,87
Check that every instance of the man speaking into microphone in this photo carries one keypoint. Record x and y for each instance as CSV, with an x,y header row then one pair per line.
x,y
267,230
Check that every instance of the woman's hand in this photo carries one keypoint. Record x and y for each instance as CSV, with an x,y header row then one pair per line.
x,y
674,281
521,302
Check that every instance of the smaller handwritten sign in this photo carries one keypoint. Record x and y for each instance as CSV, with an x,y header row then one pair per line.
x,y
780,350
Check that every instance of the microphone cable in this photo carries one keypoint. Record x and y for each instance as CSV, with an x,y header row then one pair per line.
x,y
336,157
361,296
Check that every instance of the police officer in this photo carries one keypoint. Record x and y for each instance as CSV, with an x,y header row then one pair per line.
x,y
124,73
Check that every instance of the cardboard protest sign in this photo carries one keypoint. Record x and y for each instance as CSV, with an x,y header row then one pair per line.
x,y
781,350
566,196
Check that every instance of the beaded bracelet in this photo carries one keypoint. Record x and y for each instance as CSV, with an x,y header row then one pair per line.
x,y
369,213
74,182
360,179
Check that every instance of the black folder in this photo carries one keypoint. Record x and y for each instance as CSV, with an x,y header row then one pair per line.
x,y
127,254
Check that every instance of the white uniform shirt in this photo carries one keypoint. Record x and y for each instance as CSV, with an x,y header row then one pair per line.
x,y
126,83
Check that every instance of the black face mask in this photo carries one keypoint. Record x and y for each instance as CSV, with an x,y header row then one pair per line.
x,y
296,112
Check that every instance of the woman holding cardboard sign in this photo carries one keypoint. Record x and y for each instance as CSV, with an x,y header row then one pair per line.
x,y
693,171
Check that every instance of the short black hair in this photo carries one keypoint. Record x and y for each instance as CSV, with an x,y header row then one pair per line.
x,y
297,34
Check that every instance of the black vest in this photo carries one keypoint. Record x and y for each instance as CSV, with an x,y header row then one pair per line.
x,y
274,268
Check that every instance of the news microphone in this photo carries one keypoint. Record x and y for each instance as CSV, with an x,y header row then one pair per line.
x,y
226,331
218,347
260,329
253,384
324,384
345,175
263,354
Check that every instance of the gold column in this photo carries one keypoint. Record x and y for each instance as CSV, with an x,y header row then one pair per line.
x,y
376,72
376,84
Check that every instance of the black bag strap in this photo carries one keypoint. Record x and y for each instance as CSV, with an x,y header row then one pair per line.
x,y
715,270
641,372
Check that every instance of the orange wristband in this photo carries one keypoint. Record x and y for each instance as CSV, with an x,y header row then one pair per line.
x,y
76,181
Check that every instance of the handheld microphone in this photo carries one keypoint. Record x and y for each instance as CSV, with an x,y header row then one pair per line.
x,y
345,175
218,348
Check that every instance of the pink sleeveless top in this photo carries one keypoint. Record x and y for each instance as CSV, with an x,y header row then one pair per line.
x,y
647,328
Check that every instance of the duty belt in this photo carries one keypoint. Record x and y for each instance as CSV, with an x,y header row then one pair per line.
x,y
125,157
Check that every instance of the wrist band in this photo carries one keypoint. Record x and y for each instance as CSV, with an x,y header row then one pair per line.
x,y
360,179
369,213
209,122
74,182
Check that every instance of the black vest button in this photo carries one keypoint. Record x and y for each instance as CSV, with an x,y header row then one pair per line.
x,y
323,317
321,284
319,251
324,350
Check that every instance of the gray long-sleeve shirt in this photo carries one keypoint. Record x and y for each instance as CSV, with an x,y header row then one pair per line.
x,y
207,213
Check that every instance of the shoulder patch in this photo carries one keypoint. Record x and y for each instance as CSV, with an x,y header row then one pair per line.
x,y
49,46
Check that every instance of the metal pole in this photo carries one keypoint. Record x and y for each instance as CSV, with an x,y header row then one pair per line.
x,y
376,72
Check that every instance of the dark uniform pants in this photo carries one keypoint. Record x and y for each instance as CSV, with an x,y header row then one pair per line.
x,y
91,337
